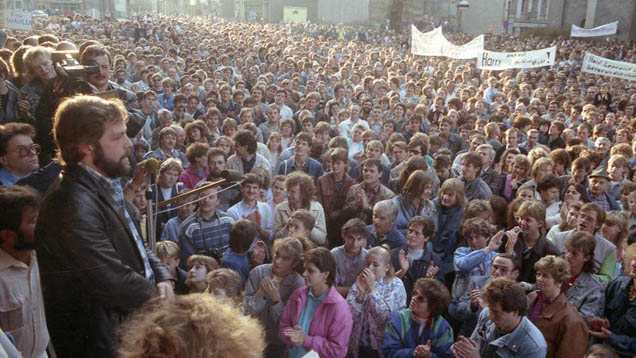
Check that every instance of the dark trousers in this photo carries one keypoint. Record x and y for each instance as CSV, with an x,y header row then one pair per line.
x,y
367,352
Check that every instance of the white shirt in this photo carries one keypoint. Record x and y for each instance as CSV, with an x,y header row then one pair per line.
x,y
346,126
240,210
21,305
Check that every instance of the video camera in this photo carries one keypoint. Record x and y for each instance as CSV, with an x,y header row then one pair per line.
x,y
67,65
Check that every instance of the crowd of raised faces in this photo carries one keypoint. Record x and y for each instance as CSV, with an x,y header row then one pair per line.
x,y
389,205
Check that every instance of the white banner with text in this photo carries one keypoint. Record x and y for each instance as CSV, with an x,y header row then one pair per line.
x,y
605,67
489,60
18,20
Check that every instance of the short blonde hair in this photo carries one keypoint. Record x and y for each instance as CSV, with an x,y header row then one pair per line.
x,y
170,164
557,267
31,55
191,326
168,250
290,245
533,209
385,253
457,187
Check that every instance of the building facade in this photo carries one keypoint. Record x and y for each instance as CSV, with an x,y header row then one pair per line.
x,y
517,16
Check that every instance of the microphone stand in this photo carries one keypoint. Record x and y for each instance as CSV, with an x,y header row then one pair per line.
x,y
150,218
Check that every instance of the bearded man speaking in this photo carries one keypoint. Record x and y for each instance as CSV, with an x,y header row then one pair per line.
x,y
94,266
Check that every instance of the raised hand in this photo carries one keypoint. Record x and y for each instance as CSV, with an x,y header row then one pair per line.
x,y
465,348
495,241
369,277
475,299
271,288
403,260
423,351
432,270
512,235
295,335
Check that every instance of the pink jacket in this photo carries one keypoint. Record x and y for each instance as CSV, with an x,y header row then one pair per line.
x,y
330,327
190,178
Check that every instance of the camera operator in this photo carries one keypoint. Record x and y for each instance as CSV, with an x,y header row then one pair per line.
x,y
100,79
93,80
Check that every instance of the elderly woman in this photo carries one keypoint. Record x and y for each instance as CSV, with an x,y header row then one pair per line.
x,y
584,291
563,328
375,295
414,199
617,328
269,286
316,316
39,68
300,192
420,330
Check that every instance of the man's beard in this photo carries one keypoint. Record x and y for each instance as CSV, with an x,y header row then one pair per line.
x,y
111,168
22,244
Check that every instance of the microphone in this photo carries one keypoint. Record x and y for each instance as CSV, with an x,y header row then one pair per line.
x,y
151,165
232,175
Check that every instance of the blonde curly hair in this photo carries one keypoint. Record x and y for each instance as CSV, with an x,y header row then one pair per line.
x,y
192,326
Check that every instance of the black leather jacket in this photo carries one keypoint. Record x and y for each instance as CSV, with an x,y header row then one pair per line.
x,y
91,270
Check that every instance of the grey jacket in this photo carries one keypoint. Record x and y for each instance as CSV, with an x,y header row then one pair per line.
x,y
463,310
602,250
261,307
525,341
587,295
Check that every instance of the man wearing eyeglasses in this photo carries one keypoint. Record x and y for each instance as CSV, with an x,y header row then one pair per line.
x,y
18,153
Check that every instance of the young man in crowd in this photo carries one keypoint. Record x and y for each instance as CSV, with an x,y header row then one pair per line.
x,y
350,257
207,230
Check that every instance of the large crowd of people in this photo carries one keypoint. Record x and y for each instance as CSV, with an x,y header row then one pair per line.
x,y
374,204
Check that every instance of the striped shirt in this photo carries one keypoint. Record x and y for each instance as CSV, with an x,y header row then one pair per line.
x,y
208,237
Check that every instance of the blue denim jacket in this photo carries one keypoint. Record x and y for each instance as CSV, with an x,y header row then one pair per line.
x,y
621,314
525,341
312,167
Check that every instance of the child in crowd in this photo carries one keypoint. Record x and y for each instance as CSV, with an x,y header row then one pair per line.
x,y
198,268
350,257
169,253
474,259
226,285
375,295
300,223
236,257
185,209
